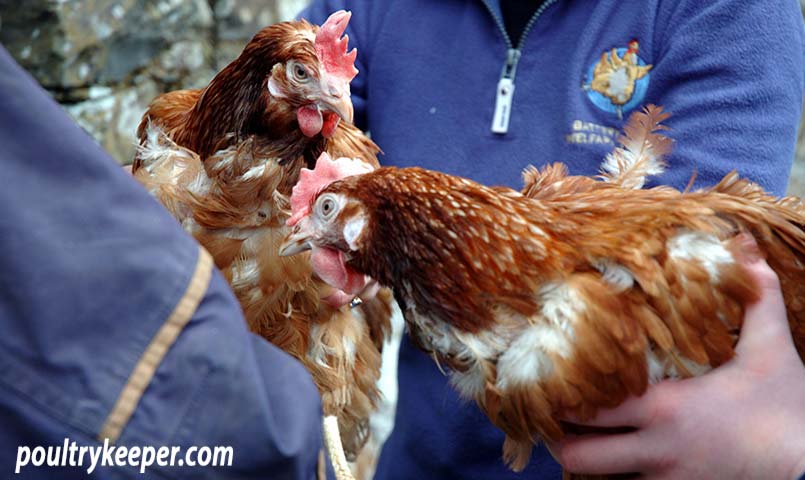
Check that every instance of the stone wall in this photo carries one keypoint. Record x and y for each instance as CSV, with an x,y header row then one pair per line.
x,y
104,60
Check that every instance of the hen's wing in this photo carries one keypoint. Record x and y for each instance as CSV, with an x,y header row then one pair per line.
x,y
655,290
169,172
777,224
168,112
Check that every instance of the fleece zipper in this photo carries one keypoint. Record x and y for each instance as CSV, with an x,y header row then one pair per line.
x,y
505,88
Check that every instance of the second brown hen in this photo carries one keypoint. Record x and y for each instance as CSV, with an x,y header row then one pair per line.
x,y
567,302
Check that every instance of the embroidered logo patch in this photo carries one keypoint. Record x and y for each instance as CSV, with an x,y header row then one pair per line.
x,y
618,81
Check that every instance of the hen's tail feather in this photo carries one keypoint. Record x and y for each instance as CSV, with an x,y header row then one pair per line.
x,y
516,454
778,225
641,155
642,150
552,183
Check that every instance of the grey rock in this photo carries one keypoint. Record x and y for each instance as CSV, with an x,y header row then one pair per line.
x,y
111,116
239,20
73,43
186,64
236,22
105,60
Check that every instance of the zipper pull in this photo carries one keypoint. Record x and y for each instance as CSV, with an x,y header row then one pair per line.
x,y
505,92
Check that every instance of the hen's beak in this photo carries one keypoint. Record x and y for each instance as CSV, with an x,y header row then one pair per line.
x,y
296,242
340,105
334,96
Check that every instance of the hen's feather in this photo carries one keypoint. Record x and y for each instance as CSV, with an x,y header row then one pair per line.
x,y
641,155
642,150
168,111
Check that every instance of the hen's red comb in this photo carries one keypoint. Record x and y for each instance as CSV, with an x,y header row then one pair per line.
x,y
311,182
332,48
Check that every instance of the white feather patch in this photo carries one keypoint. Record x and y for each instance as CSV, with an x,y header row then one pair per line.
x,y
274,89
244,273
227,156
201,184
561,306
353,230
527,360
159,147
254,172
615,274
656,368
660,366
703,248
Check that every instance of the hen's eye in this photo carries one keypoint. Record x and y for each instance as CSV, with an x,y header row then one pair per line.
x,y
327,207
299,72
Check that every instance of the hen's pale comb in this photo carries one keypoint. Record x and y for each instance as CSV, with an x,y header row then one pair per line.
x,y
331,48
311,182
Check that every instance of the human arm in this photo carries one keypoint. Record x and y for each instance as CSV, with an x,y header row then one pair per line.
x,y
117,325
731,73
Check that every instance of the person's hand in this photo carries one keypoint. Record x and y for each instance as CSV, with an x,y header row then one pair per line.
x,y
743,420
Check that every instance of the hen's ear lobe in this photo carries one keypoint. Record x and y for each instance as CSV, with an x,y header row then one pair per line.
x,y
274,87
353,230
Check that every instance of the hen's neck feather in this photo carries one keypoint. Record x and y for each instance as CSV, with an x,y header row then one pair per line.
x,y
452,247
237,103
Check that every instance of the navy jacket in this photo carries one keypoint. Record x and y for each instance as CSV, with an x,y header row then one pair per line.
x,y
115,324
730,71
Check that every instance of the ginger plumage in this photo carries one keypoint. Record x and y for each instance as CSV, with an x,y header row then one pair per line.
x,y
223,160
570,298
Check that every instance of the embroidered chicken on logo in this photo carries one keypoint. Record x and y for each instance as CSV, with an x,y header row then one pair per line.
x,y
566,298
615,76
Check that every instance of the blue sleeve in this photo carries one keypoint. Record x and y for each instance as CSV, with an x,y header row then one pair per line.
x,y
733,72
360,37
94,274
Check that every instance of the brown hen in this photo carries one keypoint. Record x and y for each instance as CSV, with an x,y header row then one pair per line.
x,y
570,299
223,160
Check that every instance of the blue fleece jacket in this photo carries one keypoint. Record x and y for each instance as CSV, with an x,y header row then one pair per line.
x,y
730,71
91,269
